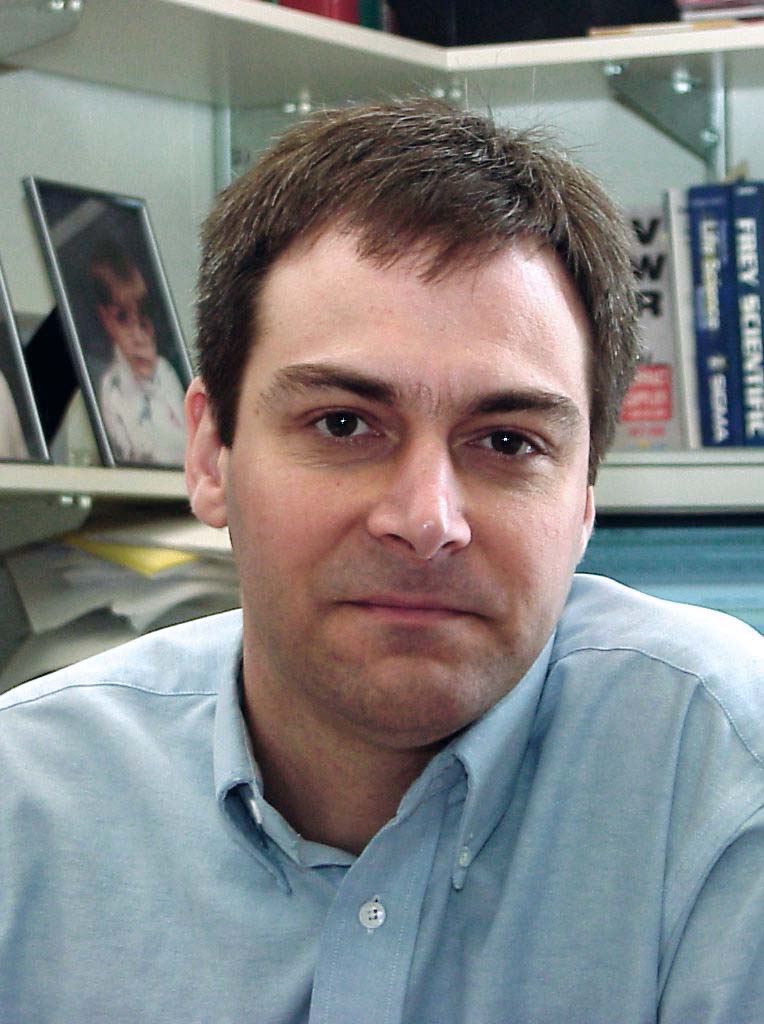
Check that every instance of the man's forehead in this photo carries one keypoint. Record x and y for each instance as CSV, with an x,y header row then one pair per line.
x,y
514,322
331,262
427,257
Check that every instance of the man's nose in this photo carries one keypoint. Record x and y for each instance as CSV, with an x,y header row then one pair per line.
x,y
421,504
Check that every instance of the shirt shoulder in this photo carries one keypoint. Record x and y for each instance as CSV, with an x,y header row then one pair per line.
x,y
676,646
190,658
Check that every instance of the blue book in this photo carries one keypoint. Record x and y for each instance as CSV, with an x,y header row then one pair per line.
x,y
715,314
748,220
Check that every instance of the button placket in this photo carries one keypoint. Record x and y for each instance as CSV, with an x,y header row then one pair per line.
x,y
362,977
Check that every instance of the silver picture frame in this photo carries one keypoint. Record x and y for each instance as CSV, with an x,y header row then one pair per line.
x,y
118,317
21,434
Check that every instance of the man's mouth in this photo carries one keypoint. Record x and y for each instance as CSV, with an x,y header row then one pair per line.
x,y
413,609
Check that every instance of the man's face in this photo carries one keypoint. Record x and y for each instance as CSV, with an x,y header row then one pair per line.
x,y
127,321
407,489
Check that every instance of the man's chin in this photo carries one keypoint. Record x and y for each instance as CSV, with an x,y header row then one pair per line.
x,y
418,701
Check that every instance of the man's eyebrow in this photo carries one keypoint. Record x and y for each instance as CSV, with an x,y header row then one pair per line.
x,y
559,408
318,376
324,376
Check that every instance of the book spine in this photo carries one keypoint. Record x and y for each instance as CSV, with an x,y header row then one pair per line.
x,y
649,418
680,270
340,10
748,220
715,314
684,5
721,18
370,13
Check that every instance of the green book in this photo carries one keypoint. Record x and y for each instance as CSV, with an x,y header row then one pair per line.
x,y
370,13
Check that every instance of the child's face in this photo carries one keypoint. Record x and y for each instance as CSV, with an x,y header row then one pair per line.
x,y
127,322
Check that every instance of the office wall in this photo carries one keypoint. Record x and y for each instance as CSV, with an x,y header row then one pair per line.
x,y
104,138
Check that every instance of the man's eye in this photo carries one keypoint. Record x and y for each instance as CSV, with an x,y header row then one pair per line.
x,y
342,424
507,442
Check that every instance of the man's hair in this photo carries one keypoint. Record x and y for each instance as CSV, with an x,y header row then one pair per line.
x,y
415,176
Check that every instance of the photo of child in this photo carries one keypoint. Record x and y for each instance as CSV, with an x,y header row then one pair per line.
x,y
140,395
120,324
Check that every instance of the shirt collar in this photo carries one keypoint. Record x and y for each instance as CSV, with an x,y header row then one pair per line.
x,y
234,764
491,752
239,789
235,772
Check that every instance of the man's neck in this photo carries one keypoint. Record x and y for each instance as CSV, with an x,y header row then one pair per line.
x,y
332,788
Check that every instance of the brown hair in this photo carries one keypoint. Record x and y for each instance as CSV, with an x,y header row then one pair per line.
x,y
107,257
404,175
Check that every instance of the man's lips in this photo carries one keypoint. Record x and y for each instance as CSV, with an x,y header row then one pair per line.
x,y
410,607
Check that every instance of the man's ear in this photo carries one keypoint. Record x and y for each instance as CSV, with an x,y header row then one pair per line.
x,y
588,522
205,457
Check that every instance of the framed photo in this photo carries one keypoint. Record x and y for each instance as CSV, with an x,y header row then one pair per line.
x,y
21,436
119,320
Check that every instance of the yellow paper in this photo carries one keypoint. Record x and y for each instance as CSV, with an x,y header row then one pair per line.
x,y
145,560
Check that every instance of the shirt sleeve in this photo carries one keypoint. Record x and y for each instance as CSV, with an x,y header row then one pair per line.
x,y
717,975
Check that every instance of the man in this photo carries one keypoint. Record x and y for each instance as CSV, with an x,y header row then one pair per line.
x,y
140,395
425,776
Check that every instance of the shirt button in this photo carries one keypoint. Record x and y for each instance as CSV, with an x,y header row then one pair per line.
x,y
465,857
372,914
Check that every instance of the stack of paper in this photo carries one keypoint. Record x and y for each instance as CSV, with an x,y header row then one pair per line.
x,y
98,587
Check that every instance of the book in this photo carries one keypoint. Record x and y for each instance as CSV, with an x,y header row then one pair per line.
x,y
370,13
650,414
341,10
688,24
748,221
715,314
708,17
680,275
719,5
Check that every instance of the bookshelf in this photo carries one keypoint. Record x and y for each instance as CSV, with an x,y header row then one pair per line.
x,y
252,54
247,55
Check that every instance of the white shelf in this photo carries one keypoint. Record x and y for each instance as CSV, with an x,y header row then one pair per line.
x,y
248,53
244,53
730,481
38,502
600,49
640,482
93,482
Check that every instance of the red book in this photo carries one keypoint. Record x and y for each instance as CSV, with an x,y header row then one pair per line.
x,y
342,10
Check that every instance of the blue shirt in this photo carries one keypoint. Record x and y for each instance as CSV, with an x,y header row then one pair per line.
x,y
590,852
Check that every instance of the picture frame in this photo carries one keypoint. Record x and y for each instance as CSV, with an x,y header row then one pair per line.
x,y
118,317
21,434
